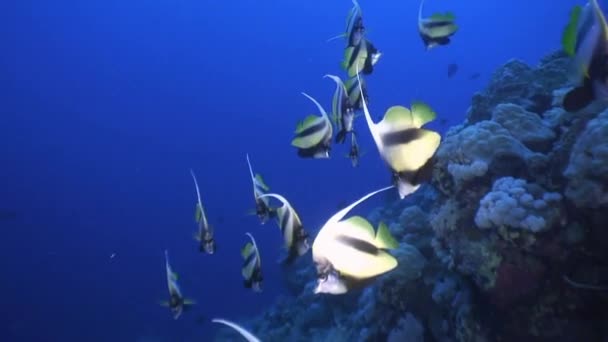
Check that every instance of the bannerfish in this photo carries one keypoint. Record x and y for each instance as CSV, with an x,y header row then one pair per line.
x,y
362,57
354,93
252,265
346,251
354,153
314,134
262,209
292,229
404,145
437,29
585,39
354,26
246,334
204,235
343,112
177,303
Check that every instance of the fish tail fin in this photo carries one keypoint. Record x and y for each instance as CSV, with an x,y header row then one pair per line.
x,y
578,98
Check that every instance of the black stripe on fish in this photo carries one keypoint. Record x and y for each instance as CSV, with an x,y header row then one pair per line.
x,y
358,244
250,258
428,40
313,129
402,137
434,24
314,151
415,177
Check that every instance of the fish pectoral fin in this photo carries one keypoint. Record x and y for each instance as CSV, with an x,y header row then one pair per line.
x,y
384,238
163,303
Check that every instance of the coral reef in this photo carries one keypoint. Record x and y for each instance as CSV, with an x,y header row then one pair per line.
x,y
515,208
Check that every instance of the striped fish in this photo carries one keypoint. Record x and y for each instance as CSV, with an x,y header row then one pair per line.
x,y
362,57
354,93
204,235
177,303
437,29
404,145
354,26
350,249
585,38
252,265
343,113
354,153
313,134
262,209
294,235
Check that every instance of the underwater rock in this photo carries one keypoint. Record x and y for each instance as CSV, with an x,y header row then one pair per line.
x,y
587,171
517,204
484,146
408,329
518,277
525,126
516,82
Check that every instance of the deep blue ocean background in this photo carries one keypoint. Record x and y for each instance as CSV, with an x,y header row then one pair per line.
x,y
105,105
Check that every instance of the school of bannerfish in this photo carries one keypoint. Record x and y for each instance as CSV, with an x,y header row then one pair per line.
x,y
348,253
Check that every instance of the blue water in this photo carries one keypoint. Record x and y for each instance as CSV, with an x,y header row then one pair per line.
x,y
105,105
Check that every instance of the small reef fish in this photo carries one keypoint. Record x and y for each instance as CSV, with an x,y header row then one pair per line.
x,y
246,334
346,252
177,303
314,134
362,57
354,153
262,208
585,39
354,26
204,235
437,29
294,235
354,92
252,265
404,145
343,113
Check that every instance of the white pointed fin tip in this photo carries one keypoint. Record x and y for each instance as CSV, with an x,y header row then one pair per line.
x,y
323,112
340,214
246,334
